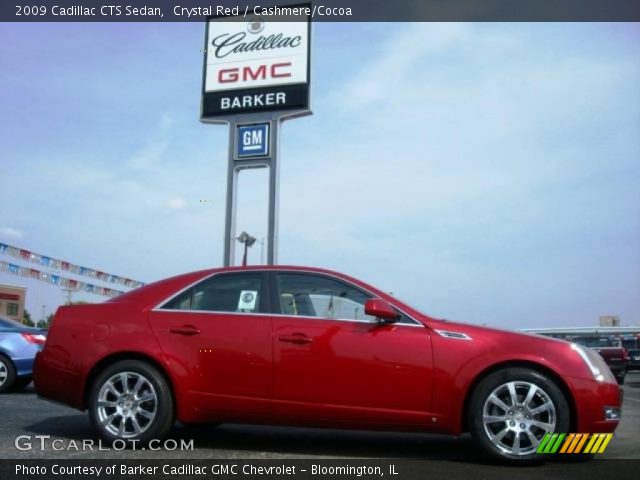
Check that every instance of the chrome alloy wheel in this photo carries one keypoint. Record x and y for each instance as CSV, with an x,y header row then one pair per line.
x,y
127,405
517,415
4,373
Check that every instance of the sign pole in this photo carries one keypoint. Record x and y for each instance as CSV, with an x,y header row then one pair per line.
x,y
230,214
274,193
235,166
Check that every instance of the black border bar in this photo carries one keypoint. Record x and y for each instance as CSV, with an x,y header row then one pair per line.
x,y
325,469
341,10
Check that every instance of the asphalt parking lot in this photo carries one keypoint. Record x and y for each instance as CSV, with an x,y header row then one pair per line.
x,y
25,414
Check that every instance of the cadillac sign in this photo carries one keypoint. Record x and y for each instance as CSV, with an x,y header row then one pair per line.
x,y
255,65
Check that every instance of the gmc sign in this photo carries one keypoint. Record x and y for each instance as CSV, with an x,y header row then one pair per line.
x,y
247,74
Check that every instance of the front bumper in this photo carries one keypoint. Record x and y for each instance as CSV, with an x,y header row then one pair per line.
x,y
591,398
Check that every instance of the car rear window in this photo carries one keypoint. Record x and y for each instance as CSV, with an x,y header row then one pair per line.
x,y
239,293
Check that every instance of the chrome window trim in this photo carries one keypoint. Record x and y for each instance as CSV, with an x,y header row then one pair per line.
x,y
304,317
158,307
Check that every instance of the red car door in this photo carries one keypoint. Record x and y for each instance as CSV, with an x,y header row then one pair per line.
x,y
219,345
335,365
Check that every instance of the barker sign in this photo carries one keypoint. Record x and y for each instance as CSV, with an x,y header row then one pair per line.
x,y
255,65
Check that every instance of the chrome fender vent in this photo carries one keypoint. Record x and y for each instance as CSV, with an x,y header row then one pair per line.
x,y
453,335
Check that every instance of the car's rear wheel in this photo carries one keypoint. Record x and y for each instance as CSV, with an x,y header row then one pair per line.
x,y
511,410
131,400
7,374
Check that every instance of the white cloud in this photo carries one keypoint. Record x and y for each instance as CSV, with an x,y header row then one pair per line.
x,y
149,155
11,233
176,203
399,56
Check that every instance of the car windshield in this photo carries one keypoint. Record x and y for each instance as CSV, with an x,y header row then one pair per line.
x,y
7,323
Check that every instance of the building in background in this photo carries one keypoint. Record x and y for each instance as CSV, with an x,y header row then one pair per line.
x,y
12,299
626,337
609,321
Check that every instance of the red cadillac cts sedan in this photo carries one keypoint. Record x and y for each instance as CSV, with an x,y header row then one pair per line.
x,y
304,346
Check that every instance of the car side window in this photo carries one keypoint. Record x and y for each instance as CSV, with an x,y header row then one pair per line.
x,y
318,296
312,295
239,293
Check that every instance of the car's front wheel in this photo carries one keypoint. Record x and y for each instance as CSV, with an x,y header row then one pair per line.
x,y
131,400
511,411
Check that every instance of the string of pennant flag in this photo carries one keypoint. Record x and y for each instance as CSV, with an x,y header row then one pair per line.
x,y
59,280
64,266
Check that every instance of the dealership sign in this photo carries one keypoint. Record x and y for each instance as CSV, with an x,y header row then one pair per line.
x,y
255,64
256,76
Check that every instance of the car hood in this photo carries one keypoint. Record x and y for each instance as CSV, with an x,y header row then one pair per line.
x,y
499,334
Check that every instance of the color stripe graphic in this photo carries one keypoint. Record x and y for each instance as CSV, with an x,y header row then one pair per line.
x,y
574,443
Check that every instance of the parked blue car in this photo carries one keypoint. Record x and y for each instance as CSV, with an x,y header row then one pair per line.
x,y
18,347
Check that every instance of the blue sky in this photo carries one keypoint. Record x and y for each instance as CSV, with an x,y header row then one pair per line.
x,y
482,172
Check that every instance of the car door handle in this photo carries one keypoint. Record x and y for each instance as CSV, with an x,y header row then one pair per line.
x,y
296,338
185,330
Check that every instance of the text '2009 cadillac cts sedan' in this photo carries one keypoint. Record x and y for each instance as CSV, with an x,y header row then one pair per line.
x,y
310,347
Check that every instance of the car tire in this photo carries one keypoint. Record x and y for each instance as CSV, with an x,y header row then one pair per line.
x,y
511,410
7,374
131,401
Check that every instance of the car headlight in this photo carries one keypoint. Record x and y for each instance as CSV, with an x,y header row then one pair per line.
x,y
595,363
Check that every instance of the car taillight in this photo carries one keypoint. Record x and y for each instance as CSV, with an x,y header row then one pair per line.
x,y
34,338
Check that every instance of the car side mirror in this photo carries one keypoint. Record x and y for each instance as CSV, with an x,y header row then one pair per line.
x,y
381,309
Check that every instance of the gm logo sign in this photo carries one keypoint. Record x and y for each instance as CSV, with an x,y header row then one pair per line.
x,y
252,140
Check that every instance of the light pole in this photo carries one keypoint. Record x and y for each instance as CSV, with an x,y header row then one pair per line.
x,y
248,241
261,251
